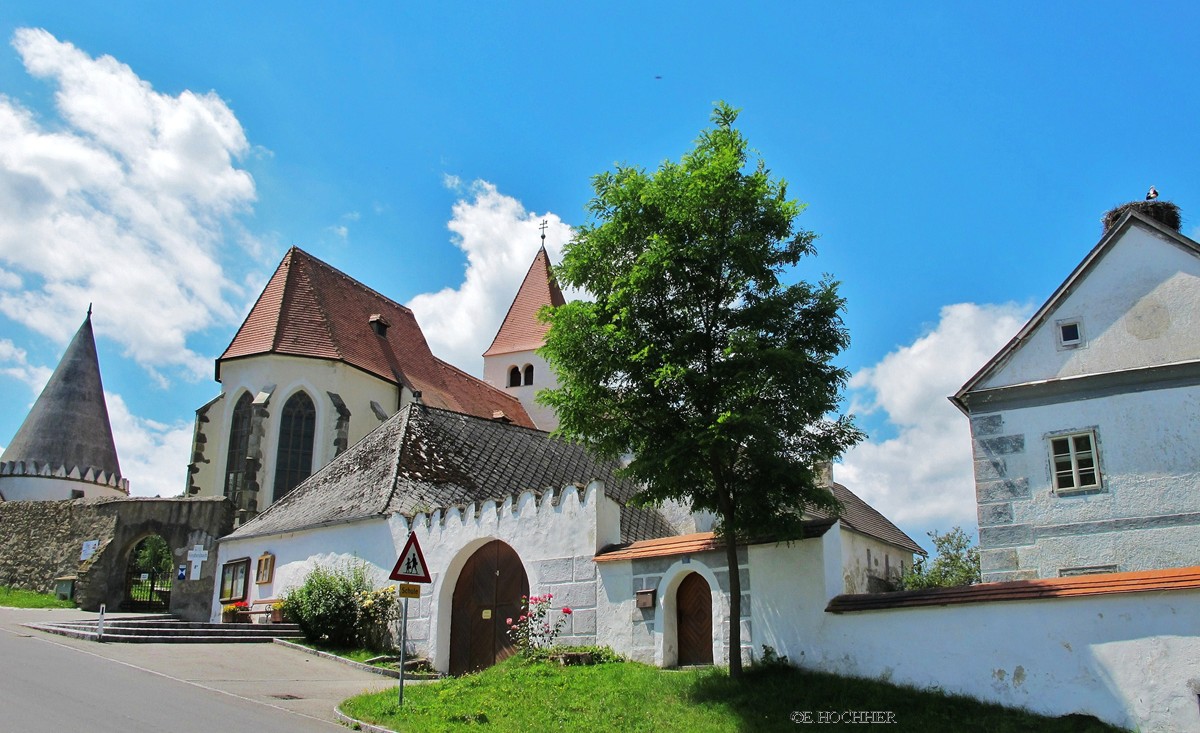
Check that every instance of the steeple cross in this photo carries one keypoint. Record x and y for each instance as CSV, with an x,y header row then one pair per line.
x,y
543,228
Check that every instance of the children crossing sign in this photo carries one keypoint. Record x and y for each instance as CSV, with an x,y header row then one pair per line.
x,y
411,567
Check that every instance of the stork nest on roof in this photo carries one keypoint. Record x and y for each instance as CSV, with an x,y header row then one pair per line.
x,y
1164,212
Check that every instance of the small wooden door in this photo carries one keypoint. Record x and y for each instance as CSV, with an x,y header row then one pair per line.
x,y
488,592
693,604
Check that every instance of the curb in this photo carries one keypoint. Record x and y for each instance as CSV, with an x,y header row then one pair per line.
x,y
394,673
355,724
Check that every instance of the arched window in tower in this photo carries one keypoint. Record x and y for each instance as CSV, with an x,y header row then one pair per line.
x,y
297,428
514,377
239,445
528,374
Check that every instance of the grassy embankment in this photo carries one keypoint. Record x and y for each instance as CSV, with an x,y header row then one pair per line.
x,y
16,598
523,696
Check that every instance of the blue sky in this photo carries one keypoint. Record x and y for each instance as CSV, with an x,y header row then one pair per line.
x,y
956,160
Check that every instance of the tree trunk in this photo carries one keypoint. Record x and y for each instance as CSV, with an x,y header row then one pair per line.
x,y
735,591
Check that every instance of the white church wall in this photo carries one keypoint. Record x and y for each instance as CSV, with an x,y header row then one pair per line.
x,y
555,537
496,370
1129,659
290,374
1144,514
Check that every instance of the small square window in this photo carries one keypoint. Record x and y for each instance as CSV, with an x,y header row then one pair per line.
x,y
1074,462
1070,333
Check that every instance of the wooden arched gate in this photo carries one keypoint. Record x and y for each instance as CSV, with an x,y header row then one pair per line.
x,y
488,592
693,607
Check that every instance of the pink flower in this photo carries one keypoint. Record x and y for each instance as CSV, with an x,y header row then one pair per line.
x,y
508,621
522,617
566,611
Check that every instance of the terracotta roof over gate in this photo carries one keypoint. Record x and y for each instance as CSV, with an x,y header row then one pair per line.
x,y
1023,590
311,309
856,514
521,330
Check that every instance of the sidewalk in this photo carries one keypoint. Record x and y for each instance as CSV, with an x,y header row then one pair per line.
x,y
269,674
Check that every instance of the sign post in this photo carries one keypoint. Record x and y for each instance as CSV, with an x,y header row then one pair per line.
x,y
410,568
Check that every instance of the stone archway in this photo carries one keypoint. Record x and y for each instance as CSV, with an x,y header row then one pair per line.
x,y
148,575
488,592
693,626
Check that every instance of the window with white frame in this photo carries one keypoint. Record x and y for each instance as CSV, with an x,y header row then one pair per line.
x,y
1070,333
1074,461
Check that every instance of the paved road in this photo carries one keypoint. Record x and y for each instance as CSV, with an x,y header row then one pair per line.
x,y
53,683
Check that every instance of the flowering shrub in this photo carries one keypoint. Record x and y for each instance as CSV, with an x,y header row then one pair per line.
x,y
376,611
532,630
340,607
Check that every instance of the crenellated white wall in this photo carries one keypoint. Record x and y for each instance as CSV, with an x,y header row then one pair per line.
x,y
556,536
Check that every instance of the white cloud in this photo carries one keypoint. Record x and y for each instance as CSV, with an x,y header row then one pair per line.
x,y
15,363
153,455
126,201
341,231
500,239
922,479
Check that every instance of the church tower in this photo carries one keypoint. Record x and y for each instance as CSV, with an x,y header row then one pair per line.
x,y
65,449
511,362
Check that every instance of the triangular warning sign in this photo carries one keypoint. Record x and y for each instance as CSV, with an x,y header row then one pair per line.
x,y
411,567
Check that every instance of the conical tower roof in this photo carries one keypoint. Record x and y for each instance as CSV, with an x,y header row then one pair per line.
x,y
68,426
521,330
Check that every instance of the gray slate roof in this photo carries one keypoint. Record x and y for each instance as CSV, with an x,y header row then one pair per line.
x,y
68,425
424,458
861,517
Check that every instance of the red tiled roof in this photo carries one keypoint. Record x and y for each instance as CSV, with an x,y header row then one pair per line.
x,y
683,544
311,309
1022,590
521,330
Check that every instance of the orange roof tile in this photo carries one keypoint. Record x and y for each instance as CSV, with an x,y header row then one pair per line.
x,y
683,544
311,309
521,330
1021,590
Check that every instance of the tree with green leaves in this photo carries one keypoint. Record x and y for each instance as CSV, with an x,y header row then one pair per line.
x,y
153,554
956,563
694,355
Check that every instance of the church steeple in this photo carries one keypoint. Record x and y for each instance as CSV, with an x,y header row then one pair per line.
x,y
521,329
511,363
67,434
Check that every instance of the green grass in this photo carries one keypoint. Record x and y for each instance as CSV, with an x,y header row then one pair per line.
x,y
356,654
17,598
522,696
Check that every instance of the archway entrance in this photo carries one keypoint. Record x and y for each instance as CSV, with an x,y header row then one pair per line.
x,y
693,608
148,576
488,591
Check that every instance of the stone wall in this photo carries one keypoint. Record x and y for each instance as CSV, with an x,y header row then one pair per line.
x,y
42,540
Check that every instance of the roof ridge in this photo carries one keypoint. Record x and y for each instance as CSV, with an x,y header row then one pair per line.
x,y
1107,240
357,283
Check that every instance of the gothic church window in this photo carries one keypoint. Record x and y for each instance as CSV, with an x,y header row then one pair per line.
x,y
239,444
297,429
528,374
514,377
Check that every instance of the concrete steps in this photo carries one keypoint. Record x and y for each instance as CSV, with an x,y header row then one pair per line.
x,y
169,630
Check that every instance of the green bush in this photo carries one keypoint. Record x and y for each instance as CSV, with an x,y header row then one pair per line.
x,y
326,604
956,563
